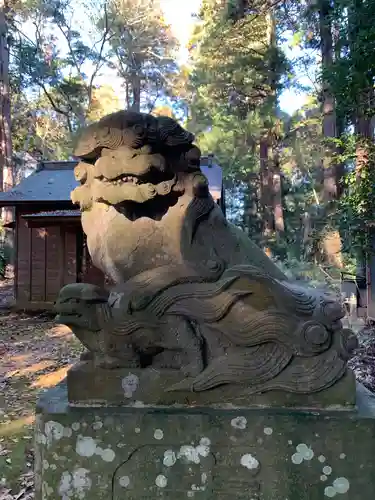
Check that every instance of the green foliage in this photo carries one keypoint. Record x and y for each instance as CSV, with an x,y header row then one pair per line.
x,y
237,72
234,149
351,78
236,66
228,95
352,74
54,66
357,207
142,50
41,65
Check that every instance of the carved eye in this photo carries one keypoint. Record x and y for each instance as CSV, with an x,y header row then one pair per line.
x,y
349,343
212,264
333,311
315,333
139,130
80,173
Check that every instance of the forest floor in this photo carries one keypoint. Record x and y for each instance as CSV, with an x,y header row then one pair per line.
x,y
35,355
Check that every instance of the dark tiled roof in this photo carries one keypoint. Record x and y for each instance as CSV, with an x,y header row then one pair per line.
x,y
214,175
54,213
52,181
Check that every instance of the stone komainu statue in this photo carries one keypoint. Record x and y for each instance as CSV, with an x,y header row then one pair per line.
x,y
193,294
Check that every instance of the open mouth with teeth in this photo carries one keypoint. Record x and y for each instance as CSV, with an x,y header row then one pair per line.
x,y
136,183
149,195
124,178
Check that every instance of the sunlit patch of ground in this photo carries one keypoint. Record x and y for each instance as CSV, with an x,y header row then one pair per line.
x,y
51,379
35,354
61,331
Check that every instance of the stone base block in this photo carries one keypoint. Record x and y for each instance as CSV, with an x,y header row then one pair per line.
x,y
89,385
148,453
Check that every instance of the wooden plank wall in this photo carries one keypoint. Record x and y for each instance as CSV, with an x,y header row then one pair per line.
x,y
52,257
46,261
23,265
69,234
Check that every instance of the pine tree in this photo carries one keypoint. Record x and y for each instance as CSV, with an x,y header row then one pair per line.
x,y
143,51
236,78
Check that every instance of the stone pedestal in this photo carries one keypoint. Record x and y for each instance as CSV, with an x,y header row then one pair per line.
x,y
145,452
92,386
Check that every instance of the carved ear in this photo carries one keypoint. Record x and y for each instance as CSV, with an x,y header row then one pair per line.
x,y
171,133
139,130
81,171
82,196
200,186
193,156
197,210
94,294
86,143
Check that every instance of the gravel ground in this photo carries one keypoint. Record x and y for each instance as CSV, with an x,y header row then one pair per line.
x,y
6,294
363,363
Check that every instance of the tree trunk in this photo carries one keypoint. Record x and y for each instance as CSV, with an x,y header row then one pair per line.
x,y
278,199
6,163
6,167
278,213
269,160
330,238
329,115
266,192
136,91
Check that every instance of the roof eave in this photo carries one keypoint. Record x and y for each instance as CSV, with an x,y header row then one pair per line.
x,y
52,221
13,203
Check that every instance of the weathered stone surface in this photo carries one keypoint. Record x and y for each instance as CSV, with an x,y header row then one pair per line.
x,y
192,294
218,454
89,385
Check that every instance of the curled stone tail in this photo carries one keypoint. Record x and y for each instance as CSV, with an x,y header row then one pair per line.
x,y
260,363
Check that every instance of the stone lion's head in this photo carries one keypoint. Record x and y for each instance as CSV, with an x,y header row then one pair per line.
x,y
135,162
137,174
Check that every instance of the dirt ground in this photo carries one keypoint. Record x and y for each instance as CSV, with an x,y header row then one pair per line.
x,y
35,354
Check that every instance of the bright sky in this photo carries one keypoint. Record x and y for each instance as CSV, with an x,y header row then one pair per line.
x,y
178,13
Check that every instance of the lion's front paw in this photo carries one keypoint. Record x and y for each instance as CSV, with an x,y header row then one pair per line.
x,y
82,292
87,356
111,363
77,303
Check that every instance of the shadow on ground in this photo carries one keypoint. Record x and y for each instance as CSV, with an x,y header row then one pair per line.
x,y
35,354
